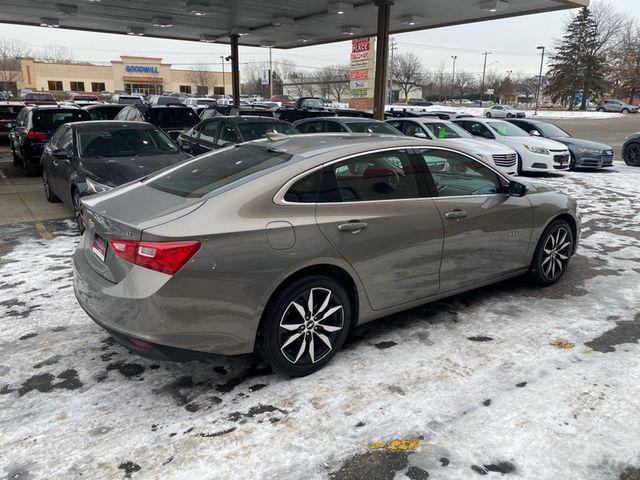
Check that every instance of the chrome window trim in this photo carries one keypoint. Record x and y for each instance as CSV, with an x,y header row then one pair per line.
x,y
278,198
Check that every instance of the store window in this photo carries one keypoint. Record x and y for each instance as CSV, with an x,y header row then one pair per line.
x,y
55,85
185,88
77,86
218,90
98,87
202,90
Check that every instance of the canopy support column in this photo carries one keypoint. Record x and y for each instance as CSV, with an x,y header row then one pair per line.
x,y
382,58
235,70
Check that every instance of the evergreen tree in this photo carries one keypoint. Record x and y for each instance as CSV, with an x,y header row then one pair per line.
x,y
578,65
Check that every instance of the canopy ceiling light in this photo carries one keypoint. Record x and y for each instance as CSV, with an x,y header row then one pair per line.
x,y
49,22
351,30
304,38
411,19
280,21
339,7
137,31
493,5
64,9
162,22
208,38
198,8
240,31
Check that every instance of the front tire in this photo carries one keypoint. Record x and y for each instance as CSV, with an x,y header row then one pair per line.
x,y
305,326
601,109
77,209
15,158
509,115
625,110
552,254
632,155
519,170
488,114
572,162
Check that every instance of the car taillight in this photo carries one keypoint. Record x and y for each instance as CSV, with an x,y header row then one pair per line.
x,y
165,257
33,135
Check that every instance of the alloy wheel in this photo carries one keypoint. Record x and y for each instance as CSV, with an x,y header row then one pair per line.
x,y
556,253
310,325
77,211
632,155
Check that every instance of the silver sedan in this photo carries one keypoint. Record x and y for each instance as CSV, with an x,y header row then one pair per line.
x,y
281,246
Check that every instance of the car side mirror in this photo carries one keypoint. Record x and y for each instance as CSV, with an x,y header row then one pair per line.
x,y
420,135
535,133
60,154
517,189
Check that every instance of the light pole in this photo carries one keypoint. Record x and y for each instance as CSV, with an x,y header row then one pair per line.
x,y
453,75
539,80
484,70
224,82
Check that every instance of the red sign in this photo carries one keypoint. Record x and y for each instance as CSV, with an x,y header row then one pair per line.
x,y
360,55
360,45
359,74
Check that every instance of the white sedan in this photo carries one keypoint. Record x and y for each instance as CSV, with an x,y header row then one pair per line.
x,y
500,156
503,111
535,154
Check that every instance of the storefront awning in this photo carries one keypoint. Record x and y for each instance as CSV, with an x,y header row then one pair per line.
x,y
143,80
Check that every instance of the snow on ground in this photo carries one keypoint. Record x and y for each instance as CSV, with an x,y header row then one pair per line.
x,y
551,114
476,385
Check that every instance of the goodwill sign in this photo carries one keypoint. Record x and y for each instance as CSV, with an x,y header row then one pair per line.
x,y
141,68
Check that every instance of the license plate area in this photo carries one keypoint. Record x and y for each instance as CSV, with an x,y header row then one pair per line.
x,y
99,247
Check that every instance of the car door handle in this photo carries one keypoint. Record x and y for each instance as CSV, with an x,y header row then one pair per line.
x,y
456,214
353,226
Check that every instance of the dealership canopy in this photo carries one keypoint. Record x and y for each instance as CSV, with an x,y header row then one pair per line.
x,y
275,23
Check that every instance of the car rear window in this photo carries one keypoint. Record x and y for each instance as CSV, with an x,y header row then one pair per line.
x,y
40,96
10,111
105,113
255,130
173,116
49,120
371,127
218,169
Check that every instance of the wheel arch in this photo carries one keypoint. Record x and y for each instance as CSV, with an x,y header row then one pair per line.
x,y
335,272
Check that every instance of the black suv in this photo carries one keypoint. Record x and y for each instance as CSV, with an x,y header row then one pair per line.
x,y
172,119
34,127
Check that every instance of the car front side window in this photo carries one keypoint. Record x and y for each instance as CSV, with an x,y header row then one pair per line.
x,y
456,175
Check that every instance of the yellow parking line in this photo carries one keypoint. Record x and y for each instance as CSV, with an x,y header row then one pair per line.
x,y
43,231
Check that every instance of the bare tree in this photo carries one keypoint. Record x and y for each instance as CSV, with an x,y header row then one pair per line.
x,y
340,84
464,82
202,78
626,62
441,80
54,54
609,24
406,72
302,83
11,51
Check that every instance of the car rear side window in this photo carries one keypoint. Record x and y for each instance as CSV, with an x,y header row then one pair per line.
x,y
305,190
215,170
377,176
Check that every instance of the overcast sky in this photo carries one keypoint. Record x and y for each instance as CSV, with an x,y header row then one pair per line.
x,y
512,42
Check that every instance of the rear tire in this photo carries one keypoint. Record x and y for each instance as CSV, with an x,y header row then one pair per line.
x,y
488,114
29,169
632,155
75,198
552,254
601,109
304,326
625,110
48,193
15,158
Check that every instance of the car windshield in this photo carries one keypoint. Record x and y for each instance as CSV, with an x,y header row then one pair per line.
x,y
217,169
312,103
506,129
550,130
255,130
173,116
372,127
124,142
446,130
49,120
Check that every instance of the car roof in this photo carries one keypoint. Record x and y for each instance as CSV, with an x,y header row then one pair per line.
x,y
419,119
100,124
340,119
54,107
11,103
246,119
95,106
311,145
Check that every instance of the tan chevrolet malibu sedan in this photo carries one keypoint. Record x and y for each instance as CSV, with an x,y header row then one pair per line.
x,y
281,246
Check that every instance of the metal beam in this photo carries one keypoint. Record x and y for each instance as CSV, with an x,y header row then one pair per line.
x,y
235,70
382,58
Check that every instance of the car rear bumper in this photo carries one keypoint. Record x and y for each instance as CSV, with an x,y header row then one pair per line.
x,y
142,308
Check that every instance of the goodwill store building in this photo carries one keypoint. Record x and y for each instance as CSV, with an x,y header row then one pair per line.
x,y
147,75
